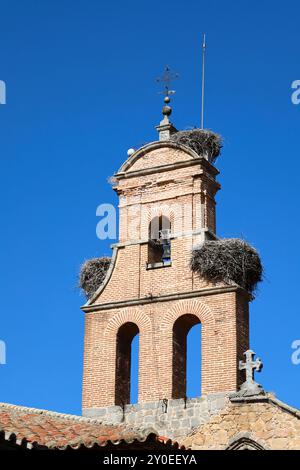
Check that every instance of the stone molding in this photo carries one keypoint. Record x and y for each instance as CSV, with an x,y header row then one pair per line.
x,y
123,171
88,307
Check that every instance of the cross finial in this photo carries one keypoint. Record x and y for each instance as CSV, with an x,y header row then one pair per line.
x,y
165,129
167,77
250,387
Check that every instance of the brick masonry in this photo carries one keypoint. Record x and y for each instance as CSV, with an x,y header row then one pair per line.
x,y
151,183
161,305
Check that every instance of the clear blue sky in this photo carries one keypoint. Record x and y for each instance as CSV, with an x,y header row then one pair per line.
x,y
81,90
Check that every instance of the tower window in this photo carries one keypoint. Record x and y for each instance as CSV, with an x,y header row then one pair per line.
x,y
123,389
183,362
159,245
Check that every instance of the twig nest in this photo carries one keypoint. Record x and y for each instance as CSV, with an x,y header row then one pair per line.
x,y
203,141
230,260
92,274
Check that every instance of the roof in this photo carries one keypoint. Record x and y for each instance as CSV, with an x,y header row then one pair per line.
x,y
268,398
34,428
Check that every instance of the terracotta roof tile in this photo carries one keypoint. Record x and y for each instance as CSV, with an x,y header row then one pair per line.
x,y
33,427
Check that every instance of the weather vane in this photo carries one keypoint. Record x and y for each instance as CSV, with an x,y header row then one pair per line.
x,y
167,77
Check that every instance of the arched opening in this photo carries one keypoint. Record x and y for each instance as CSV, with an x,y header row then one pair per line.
x,y
186,377
124,363
134,372
193,366
244,443
159,246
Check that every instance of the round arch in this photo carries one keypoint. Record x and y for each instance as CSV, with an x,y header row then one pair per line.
x,y
193,307
191,311
181,329
117,338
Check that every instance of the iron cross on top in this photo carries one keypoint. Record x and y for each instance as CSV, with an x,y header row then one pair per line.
x,y
250,366
167,77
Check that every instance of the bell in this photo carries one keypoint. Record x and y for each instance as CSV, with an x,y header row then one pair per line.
x,y
166,256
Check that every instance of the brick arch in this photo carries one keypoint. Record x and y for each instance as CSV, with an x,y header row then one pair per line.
x,y
156,210
160,209
127,315
193,307
174,369
109,351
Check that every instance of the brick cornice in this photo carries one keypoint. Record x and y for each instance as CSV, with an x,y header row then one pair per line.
x,y
163,298
124,173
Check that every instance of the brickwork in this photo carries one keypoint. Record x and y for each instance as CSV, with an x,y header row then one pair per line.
x,y
221,347
155,299
162,302
161,156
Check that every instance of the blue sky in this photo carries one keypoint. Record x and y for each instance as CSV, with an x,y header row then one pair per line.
x,y
81,90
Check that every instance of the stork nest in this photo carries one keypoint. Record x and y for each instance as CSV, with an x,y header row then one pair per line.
x,y
203,141
92,274
230,260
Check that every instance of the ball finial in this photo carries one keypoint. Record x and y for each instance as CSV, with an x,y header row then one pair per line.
x,y
167,110
130,152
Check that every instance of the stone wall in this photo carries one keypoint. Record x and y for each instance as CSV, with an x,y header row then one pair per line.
x,y
213,422
171,418
255,423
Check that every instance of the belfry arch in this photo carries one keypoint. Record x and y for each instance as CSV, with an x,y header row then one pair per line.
x,y
181,328
124,339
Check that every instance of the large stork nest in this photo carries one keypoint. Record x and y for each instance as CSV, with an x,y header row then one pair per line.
x,y
230,260
92,274
203,141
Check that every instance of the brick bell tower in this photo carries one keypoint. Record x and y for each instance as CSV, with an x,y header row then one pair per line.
x,y
166,206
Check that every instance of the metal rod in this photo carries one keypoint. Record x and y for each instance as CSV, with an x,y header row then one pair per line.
x,y
203,80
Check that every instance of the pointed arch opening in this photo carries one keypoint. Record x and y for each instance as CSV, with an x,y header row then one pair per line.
x,y
245,443
186,373
126,376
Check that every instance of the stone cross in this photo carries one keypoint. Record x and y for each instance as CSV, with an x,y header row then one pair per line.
x,y
250,387
250,365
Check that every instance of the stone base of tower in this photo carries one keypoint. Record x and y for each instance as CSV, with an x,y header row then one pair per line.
x,y
172,418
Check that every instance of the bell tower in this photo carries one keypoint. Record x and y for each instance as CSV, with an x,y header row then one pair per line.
x,y
166,195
